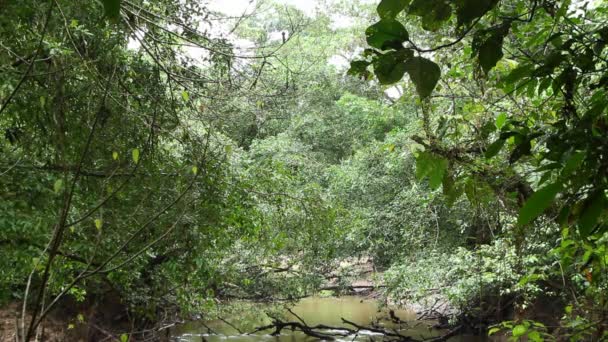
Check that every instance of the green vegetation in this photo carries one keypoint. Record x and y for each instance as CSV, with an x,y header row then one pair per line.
x,y
160,157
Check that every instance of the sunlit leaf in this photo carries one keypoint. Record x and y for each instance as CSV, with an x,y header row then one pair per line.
x,y
501,119
135,155
58,185
519,330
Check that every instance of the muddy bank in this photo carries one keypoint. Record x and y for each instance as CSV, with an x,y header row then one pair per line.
x,y
54,329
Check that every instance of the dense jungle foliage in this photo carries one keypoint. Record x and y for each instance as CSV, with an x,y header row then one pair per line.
x,y
163,157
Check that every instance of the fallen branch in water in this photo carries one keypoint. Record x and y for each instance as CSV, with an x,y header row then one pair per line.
x,y
330,333
352,288
312,331
379,330
453,332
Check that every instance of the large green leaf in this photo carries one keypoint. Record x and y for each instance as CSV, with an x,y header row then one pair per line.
x,y
573,163
538,202
112,9
451,190
490,52
495,148
501,119
519,330
431,166
390,67
433,12
424,74
389,9
469,10
386,32
487,45
594,206
359,68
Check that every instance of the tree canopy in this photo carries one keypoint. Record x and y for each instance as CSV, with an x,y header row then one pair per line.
x,y
161,158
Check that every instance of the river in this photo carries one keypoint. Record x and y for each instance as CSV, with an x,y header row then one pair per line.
x,y
313,310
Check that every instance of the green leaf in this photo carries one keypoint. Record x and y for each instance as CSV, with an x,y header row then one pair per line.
x,y
194,170
519,330
487,44
573,163
358,68
495,148
534,336
390,68
563,9
135,155
594,206
564,214
501,119
433,166
124,338
469,10
424,74
115,155
112,9
389,9
98,224
490,52
537,203
185,95
493,331
521,150
58,185
451,189
386,32
433,12
518,74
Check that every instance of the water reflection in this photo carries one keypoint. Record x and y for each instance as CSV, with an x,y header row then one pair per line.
x,y
314,310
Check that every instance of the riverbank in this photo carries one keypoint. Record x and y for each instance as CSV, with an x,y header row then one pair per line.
x,y
54,329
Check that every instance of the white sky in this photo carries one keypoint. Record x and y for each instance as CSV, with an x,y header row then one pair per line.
x,y
237,7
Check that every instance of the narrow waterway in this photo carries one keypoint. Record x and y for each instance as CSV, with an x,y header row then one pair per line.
x,y
314,310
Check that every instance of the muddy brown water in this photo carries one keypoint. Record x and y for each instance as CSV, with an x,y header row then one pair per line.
x,y
313,310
